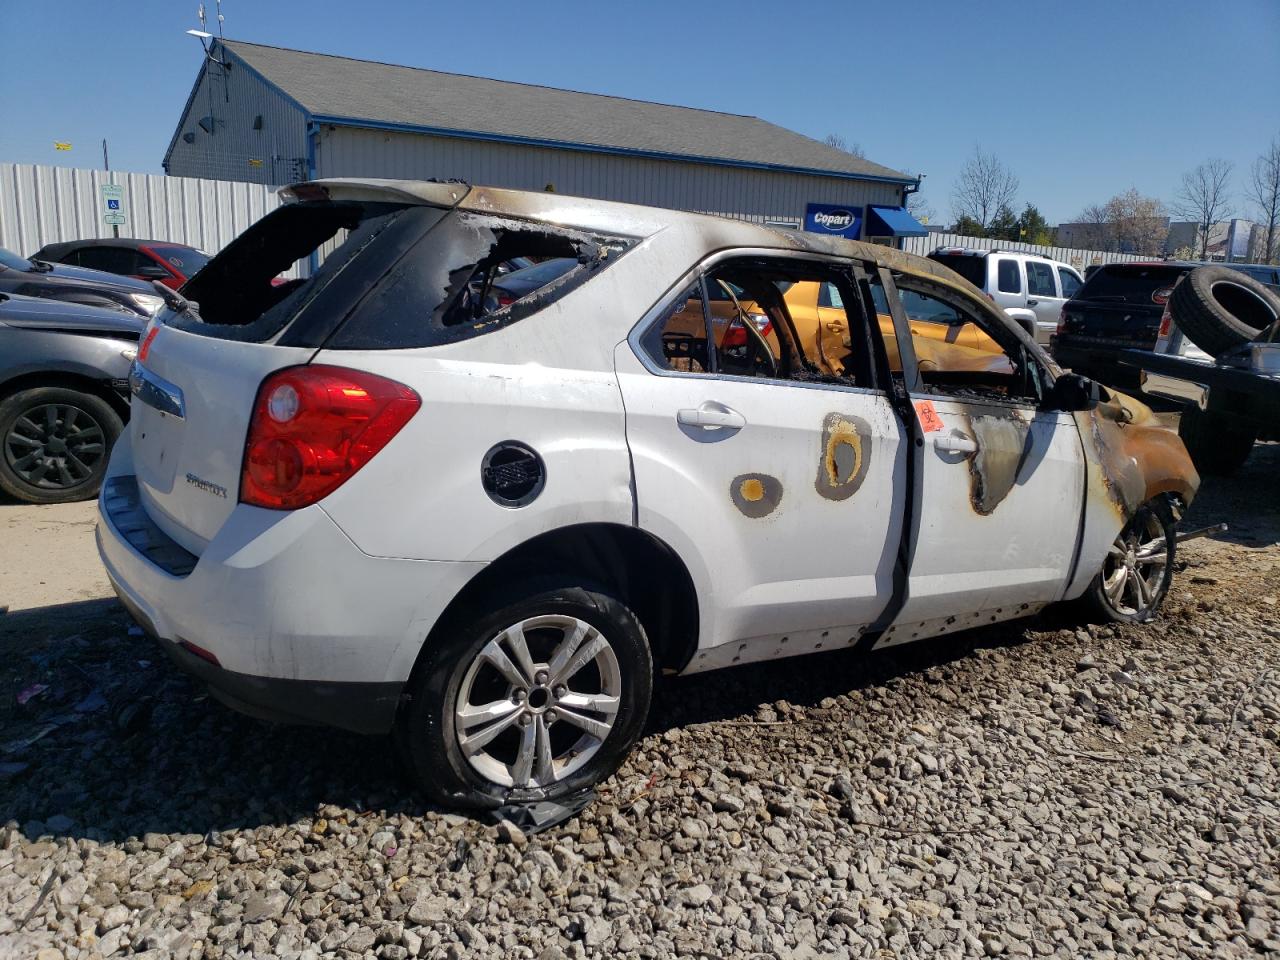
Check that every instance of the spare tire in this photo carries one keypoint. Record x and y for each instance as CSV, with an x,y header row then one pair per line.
x,y
1220,308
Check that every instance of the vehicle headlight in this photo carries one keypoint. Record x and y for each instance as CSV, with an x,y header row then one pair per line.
x,y
147,301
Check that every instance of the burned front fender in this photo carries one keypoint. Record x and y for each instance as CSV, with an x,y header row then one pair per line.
x,y
1130,458
1138,456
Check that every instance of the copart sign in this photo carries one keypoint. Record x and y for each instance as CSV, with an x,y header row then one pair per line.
x,y
833,219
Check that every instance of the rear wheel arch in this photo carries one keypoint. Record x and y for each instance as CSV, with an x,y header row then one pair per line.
x,y
647,573
69,380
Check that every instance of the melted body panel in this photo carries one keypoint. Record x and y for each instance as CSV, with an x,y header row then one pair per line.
x,y
845,456
1130,458
755,494
772,555
1002,451
999,490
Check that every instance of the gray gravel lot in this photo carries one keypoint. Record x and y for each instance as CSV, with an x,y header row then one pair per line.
x,y
1036,789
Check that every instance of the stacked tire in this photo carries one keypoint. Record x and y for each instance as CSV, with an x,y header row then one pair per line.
x,y
1220,308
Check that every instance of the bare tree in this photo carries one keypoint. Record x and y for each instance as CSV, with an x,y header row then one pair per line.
x,y
1098,234
1204,198
920,208
1264,191
1138,224
837,141
984,186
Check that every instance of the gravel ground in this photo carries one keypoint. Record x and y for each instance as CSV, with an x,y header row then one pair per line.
x,y
1037,789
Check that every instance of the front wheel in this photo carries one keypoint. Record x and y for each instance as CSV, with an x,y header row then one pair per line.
x,y
1138,569
537,698
54,444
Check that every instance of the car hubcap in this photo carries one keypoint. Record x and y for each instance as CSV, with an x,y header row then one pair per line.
x,y
538,701
54,446
1135,566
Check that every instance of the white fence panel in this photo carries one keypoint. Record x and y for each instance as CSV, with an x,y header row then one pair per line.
x,y
1077,258
42,204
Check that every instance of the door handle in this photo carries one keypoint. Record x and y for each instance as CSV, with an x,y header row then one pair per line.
x,y
835,326
1033,303
956,443
710,416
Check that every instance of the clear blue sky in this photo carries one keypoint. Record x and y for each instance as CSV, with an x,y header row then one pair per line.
x,y
1082,99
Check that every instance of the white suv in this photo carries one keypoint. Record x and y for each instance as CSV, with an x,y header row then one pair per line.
x,y
1029,288
381,499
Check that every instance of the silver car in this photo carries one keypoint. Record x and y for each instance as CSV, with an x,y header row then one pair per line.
x,y
64,380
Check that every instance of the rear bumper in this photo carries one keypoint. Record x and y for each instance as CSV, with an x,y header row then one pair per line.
x,y
304,626
360,707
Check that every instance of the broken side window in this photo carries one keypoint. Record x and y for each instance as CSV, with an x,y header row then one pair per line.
x,y
787,320
960,352
457,282
677,341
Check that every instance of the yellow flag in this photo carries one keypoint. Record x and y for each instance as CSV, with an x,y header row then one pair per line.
x,y
60,145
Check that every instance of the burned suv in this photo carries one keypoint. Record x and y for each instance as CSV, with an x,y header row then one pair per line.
x,y
381,499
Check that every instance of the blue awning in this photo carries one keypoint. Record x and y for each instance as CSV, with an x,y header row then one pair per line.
x,y
892,222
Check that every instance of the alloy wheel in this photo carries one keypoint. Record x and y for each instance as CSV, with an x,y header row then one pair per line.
x,y
1134,570
538,701
54,446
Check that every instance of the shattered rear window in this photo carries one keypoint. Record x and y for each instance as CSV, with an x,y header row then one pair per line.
x,y
449,287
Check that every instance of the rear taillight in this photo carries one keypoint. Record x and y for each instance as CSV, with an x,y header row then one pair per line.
x,y
1161,295
1166,321
313,427
1062,320
736,334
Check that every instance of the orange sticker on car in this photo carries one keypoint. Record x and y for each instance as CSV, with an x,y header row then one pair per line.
x,y
928,416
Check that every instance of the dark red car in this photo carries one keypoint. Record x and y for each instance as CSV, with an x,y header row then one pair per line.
x,y
170,263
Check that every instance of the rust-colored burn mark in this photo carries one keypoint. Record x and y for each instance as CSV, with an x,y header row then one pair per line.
x,y
1121,476
756,495
846,452
1004,441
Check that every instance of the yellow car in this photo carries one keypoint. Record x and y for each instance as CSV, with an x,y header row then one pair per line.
x,y
948,342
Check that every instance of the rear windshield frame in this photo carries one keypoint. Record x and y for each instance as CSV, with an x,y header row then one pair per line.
x,y
404,276
1126,283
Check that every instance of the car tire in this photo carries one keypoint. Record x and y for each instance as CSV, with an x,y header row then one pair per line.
x,y
55,443
441,732
1220,308
1215,442
1138,569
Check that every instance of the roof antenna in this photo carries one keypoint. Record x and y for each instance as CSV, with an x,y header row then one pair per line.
x,y
220,18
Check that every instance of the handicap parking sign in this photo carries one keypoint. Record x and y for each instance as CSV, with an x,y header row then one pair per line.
x,y
113,209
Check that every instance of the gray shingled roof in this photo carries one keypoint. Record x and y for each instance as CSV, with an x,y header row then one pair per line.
x,y
358,90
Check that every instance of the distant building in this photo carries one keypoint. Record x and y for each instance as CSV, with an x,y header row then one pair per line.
x,y
1237,239
269,115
